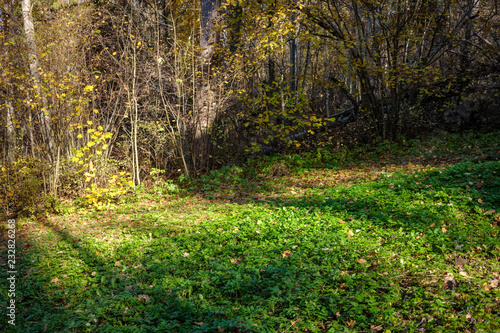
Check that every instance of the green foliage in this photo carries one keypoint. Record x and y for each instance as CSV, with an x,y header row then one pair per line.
x,y
407,243
230,175
160,185
276,113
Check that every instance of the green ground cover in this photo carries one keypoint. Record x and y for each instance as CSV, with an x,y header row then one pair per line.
x,y
398,238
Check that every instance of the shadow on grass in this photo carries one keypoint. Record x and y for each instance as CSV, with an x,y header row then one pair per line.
x,y
370,256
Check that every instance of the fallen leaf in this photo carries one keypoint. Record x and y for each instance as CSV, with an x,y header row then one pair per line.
x,y
362,261
432,225
287,254
443,229
350,234
54,280
351,323
449,281
118,263
199,323
129,287
236,260
144,297
374,328
480,200
490,211
185,255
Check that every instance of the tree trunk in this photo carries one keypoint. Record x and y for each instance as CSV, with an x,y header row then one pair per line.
x,y
11,135
208,42
206,92
29,31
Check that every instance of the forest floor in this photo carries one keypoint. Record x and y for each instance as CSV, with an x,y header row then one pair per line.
x,y
397,238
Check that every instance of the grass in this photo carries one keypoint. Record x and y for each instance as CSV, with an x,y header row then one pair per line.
x,y
395,238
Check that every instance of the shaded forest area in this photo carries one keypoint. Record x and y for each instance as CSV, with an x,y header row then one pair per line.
x,y
97,97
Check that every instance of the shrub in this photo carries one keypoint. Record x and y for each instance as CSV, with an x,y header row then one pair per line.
x,y
21,186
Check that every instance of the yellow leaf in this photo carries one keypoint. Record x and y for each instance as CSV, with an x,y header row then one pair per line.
x,y
90,143
79,136
100,128
96,111
350,234
89,122
88,88
287,253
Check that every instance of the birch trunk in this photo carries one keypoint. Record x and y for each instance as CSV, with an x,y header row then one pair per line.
x,y
29,31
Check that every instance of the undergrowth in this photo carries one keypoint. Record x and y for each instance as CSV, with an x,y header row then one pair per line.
x,y
400,238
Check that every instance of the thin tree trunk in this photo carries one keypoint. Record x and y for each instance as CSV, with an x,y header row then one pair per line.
x,y
11,135
325,77
306,65
134,118
293,64
10,131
